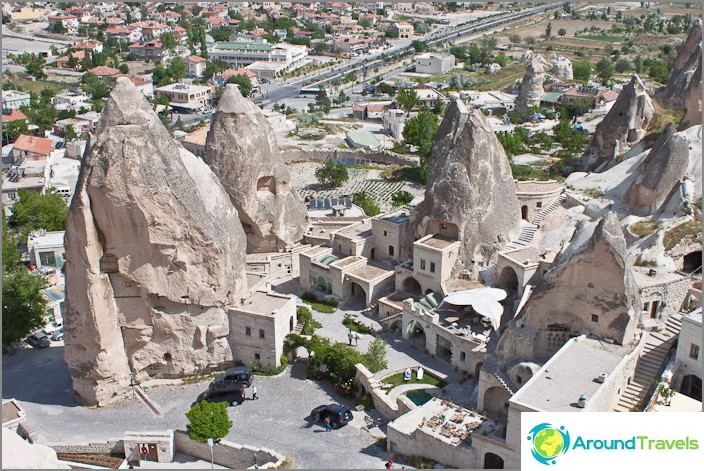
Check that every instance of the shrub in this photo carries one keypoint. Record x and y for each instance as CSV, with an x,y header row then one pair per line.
x,y
350,323
401,198
208,420
367,203
376,355
305,316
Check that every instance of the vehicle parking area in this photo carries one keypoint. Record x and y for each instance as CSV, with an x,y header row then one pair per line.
x,y
277,420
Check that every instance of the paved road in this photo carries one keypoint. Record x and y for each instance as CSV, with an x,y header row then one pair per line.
x,y
11,34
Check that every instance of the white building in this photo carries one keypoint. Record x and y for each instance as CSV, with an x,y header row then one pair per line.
x,y
394,122
434,63
186,97
13,99
243,53
688,359
195,66
46,249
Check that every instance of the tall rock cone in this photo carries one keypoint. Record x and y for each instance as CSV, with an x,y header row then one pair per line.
x,y
241,150
688,59
532,85
470,194
154,253
659,174
623,127
589,289
693,101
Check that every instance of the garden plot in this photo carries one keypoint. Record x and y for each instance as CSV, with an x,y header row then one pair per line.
x,y
367,180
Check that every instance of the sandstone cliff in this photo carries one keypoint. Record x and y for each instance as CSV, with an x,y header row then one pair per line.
x,y
155,252
623,127
588,290
562,67
470,193
659,174
688,59
241,150
532,85
693,101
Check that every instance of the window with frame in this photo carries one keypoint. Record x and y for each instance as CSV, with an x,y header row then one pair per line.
x,y
47,259
432,267
261,333
694,351
595,318
422,264
248,331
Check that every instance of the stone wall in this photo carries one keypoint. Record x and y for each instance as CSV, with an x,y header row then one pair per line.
x,y
106,447
380,156
229,454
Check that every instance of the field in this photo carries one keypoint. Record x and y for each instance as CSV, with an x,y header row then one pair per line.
x,y
19,81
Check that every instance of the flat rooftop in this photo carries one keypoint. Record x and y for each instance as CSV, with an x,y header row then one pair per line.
x,y
695,316
397,298
460,284
538,187
437,242
643,280
264,303
362,230
570,373
397,217
369,272
530,255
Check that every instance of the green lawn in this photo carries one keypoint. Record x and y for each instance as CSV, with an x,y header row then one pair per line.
x,y
397,379
320,307
30,86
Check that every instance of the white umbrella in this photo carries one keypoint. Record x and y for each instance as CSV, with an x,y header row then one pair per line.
x,y
485,301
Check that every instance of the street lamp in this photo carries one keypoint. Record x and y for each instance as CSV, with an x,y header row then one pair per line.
x,y
210,444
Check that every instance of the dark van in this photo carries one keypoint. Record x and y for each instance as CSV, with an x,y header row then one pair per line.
x,y
236,374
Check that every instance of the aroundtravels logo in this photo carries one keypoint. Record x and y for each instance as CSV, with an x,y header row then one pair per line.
x,y
548,442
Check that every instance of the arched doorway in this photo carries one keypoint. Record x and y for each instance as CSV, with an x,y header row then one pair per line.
x,y
411,286
477,369
692,387
357,292
495,402
493,461
692,262
415,333
509,279
396,326
524,212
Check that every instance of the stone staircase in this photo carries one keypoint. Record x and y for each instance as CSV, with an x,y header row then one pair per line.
x,y
650,364
528,230
538,219
505,382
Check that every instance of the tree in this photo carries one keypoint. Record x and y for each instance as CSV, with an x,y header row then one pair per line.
x,y
36,211
622,65
124,68
243,83
514,38
168,41
208,420
561,31
375,358
638,63
12,130
582,70
419,45
23,304
11,257
658,71
94,87
407,98
322,101
221,34
420,131
366,202
604,70
401,198
548,30
331,174
391,32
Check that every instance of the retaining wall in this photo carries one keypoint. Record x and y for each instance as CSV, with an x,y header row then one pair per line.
x,y
379,156
229,454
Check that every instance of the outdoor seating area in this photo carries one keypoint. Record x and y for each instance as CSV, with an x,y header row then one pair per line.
x,y
453,423
465,322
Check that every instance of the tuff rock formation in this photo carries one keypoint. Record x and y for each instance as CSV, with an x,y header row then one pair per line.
x,y
561,67
155,252
470,193
688,59
532,86
659,174
693,101
622,128
241,149
590,277
18,453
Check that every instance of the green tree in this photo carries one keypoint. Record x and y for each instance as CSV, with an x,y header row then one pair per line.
x,y
548,30
638,64
582,70
659,71
338,359
561,32
36,211
12,130
419,45
221,34
11,257
124,68
322,101
94,87
420,131
208,420
407,98
514,38
331,174
375,358
401,198
23,304
391,32
35,67
604,70
168,41
622,65
214,67
366,202
243,83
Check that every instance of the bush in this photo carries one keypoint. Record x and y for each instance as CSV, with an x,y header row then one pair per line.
x,y
367,203
331,174
350,323
401,198
305,316
208,420
376,356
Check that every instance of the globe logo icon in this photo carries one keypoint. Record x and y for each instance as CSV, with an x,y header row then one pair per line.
x,y
548,442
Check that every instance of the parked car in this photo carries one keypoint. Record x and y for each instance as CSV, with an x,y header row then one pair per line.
x,y
236,374
232,393
38,340
58,334
338,415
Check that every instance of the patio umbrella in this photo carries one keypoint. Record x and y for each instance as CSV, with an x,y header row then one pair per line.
x,y
484,301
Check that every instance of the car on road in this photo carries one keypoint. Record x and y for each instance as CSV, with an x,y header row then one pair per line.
x,y
232,393
236,374
38,340
338,415
58,334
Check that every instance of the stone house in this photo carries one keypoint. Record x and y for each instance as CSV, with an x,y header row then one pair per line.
x,y
405,30
434,63
32,148
195,66
46,249
687,378
14,99
536,195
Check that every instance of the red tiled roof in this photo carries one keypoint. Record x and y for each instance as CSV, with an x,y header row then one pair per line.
x,y
37,145
15,115
90,44
104,71
196,59
78,55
